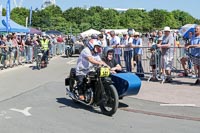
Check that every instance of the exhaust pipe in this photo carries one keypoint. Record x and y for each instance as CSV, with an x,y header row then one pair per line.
x,y
72,95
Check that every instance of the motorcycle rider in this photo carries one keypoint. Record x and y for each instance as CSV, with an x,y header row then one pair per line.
x,y
108,58
45,47
88,57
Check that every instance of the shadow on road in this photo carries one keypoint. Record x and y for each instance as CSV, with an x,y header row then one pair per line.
x,y
36,68
122,105
33,67
70,103
63,56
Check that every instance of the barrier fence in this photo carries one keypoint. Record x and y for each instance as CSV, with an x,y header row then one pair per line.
x,y
151,64
158,64
13,56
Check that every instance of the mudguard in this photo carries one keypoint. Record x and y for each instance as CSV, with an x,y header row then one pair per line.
x,y
126,83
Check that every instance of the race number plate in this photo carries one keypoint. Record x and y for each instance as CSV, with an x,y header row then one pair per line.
x,y
104,72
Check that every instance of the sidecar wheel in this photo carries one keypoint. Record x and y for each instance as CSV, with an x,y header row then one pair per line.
x,y
110,105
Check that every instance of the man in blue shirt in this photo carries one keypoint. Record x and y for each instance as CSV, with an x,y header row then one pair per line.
x,y
195,52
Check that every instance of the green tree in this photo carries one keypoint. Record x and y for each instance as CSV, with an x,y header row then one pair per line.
x,y
95,9
137,19
109,18
162,18
183,17
49,18
75,15
19,15
3,12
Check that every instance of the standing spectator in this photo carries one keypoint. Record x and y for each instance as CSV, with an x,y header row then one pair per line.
x,y
29,44
167,53
15,48
186,58
195,52
4,51
60,41
21,50
114,42
127,40
35,47
10,48
138,52
53,43
106,41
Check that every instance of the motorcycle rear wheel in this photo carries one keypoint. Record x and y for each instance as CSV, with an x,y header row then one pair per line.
x,y
110,105
71,85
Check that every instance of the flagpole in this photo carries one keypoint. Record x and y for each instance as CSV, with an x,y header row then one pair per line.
x,y
8,16
30,17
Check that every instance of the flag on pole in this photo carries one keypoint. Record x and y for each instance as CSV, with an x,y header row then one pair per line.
x,y
26,22
30,17
8,16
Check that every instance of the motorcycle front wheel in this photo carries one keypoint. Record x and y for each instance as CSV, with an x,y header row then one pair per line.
x,y
67,53
110,105
38,62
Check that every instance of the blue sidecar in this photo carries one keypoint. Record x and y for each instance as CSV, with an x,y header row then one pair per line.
x,y
126,84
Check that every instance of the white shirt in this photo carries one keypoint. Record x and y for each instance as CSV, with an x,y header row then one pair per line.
x,y
127,42
83,65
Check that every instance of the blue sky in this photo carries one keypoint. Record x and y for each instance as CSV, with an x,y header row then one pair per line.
x,y
190,6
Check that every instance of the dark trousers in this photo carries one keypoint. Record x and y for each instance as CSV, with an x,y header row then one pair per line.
x,y
138,59
80,80
127,58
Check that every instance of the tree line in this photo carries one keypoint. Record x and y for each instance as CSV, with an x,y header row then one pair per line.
x,y
76,20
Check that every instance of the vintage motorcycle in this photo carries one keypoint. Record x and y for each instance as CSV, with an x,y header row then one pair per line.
x,y
98,90
40,59
68,50
104,89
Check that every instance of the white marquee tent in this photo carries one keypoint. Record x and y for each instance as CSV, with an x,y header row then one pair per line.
x,y
89,32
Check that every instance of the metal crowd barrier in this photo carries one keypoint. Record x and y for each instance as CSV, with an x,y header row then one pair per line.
x,y
152,61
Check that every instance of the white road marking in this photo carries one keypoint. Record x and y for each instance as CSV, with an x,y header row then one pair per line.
x,y
25,111
179,105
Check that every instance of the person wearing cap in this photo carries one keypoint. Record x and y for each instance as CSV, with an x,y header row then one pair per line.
x,y
115,42
88,58
166,54
126,41
137,53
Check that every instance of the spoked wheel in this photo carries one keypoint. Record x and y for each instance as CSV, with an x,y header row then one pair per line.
x,y
110,105
38,62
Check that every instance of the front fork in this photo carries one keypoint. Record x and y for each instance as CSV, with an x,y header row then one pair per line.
x,y
100,90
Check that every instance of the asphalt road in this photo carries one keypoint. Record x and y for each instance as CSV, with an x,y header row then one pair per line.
x,y
33,101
